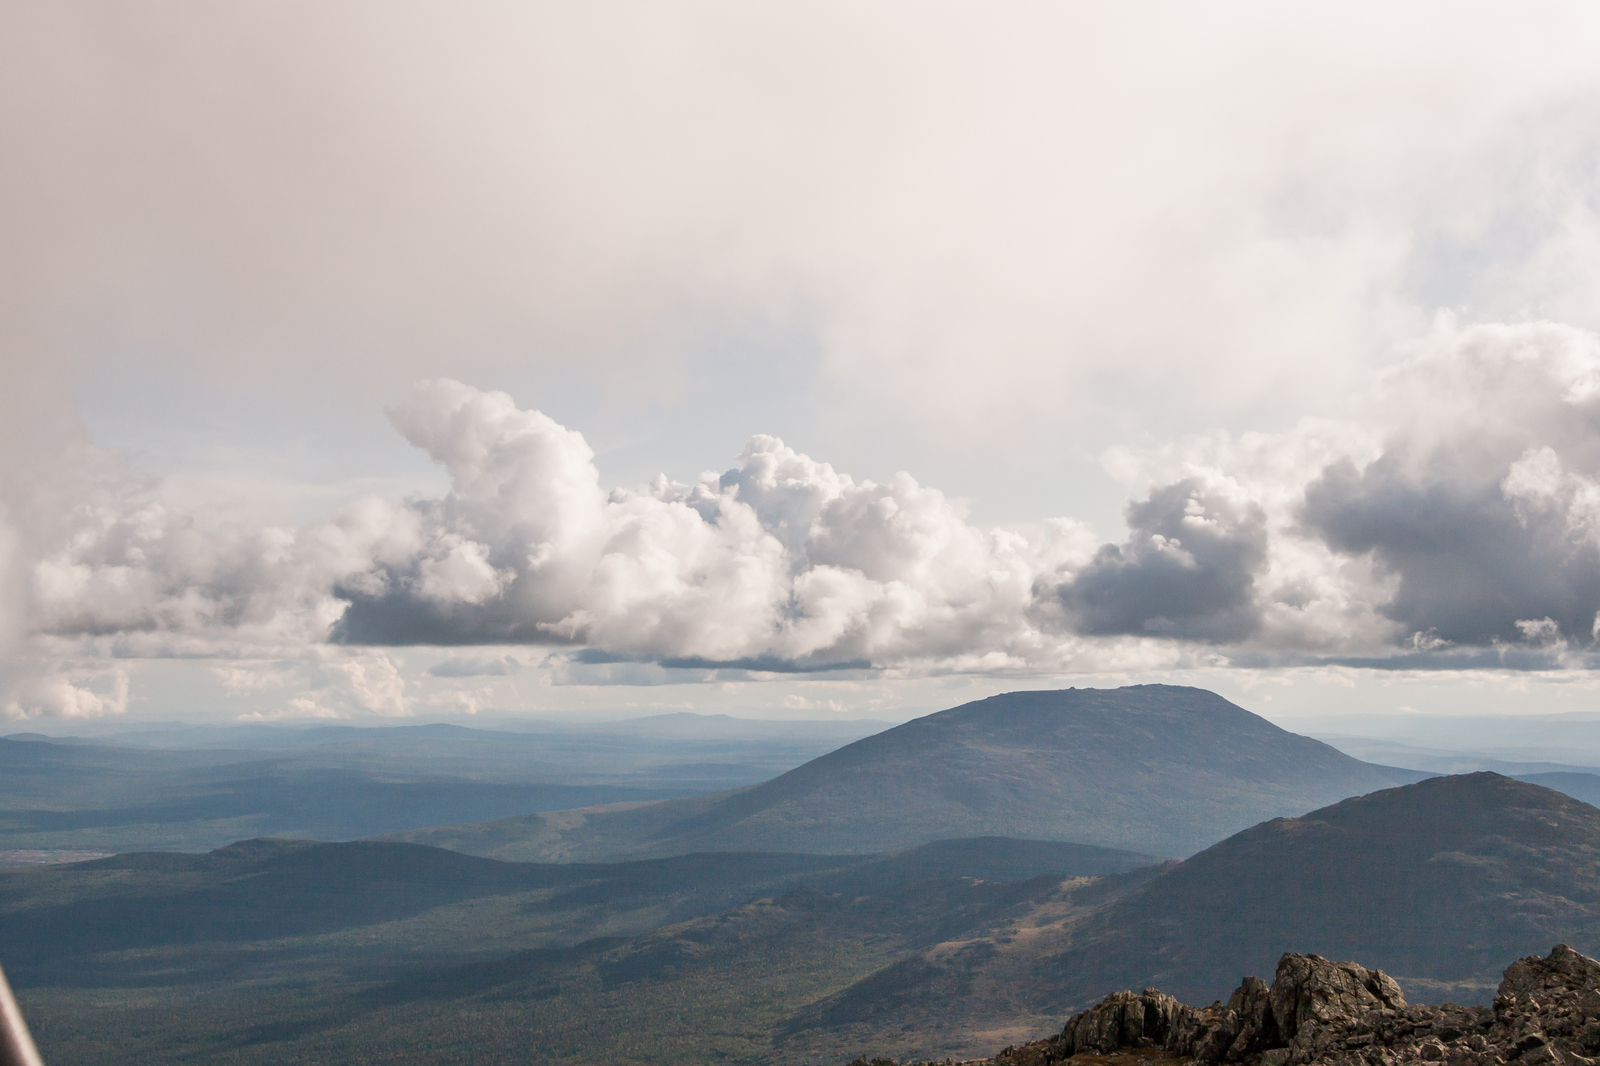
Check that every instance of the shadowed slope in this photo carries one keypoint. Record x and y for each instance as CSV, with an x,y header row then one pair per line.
x,y
1439,881
1436,883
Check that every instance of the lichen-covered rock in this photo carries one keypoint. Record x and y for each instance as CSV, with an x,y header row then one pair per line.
x,y
1309,992
1562,971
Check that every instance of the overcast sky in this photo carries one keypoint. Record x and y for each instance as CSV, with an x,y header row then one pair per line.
x,y
371,360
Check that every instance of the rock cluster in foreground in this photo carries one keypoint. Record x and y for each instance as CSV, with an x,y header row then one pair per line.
x,y
1547,1013
1341,1014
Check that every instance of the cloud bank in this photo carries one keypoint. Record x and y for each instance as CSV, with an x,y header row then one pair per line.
x,y
781,558
1457,524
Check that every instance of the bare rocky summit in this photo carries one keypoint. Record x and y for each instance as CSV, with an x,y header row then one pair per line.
x,y
1323,1013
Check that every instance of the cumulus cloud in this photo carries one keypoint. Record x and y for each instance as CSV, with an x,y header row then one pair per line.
x,y
245,678
1457,524
461,701
57,695
300,707
1482,506
781,561
373,683
107,559
1188,569
780,565
796,702
1471,568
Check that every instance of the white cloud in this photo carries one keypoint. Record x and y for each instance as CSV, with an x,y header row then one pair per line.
x,y
797,702
242,678
102,557
372,681
1478,513
301,707
461,701
65,696
781,560
1329,540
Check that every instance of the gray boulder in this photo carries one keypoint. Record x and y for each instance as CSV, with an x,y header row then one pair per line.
x,y
1127,1019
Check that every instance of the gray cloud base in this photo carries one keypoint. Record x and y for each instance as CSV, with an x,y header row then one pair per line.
x,y
1187,571
1471,564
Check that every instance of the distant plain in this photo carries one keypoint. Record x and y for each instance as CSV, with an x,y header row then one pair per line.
x,y
191,788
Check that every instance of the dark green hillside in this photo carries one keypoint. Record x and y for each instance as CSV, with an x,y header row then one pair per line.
x,y
1437,883
268,950
1152,768
72,919
1441,880
990,858
711,989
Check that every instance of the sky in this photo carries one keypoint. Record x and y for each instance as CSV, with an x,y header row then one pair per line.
x,y
391,361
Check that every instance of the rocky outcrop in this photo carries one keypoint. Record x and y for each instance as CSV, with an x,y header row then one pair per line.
x,y
1547,1013
1124,1019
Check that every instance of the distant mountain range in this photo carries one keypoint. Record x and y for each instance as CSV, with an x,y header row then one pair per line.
x,y
954,948
1151,769
193,788
1445,761
1158,769
672,726
1520,743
